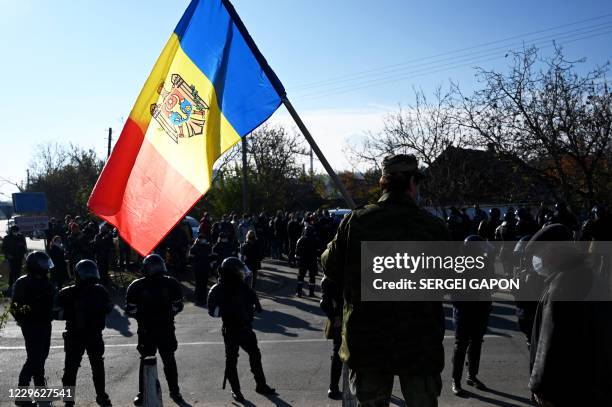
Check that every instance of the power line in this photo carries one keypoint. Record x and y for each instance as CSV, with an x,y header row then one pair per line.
x,y
393,66
429,70
485,52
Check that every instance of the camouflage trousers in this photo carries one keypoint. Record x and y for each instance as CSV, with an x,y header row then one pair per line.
x,y
373,388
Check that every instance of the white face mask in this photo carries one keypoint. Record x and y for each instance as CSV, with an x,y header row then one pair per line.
x,y
538,266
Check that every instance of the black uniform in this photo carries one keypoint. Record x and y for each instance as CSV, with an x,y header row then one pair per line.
x,y
178,242
154,301
223,249
84,307
201,257
471,320
14,248
32,307
233,301
104,246
59,272
250,251
307,253
294,230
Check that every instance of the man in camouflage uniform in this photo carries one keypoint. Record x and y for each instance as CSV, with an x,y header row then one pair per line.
x,y
384,339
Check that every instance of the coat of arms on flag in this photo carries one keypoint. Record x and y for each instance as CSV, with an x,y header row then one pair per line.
x,y
181,111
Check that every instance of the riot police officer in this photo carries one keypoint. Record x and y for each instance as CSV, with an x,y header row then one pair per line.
x,y
235,302
84,307
471,319
332,304
32,307
154,300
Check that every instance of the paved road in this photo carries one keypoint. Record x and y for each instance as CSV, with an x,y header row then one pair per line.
x,y
295,357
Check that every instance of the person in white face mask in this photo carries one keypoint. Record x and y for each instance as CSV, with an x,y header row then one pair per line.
x,y
571,357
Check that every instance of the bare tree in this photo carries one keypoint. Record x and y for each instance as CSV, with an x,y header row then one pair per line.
x,y
425,129
275,178
548,118
272,156
66,174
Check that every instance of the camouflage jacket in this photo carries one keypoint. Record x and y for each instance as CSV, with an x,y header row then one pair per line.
x,y
398,337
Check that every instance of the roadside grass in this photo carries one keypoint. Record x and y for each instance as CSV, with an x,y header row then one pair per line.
x,y
4,272
4,305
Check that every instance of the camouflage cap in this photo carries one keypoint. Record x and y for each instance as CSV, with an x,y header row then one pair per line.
x,y
400,163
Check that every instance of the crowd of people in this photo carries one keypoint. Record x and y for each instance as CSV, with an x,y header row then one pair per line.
x,y
386,339
70,281
570,357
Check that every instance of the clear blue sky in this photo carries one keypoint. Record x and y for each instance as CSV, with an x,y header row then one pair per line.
x,y
71,69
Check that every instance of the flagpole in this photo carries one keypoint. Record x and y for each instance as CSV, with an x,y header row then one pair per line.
x,y
245,181
319,153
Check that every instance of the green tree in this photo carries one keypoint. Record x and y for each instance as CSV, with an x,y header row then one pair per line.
x,y
66,174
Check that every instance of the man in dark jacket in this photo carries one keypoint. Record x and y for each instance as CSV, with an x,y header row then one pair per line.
x,y
154,300
32,308
201,257
250,251
235,302
104,246
14,248
471,319
294,231
307,253
84,307
571,356
223,248
384,339
178,244
59,272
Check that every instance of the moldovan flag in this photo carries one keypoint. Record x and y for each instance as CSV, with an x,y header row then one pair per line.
x,y
209,87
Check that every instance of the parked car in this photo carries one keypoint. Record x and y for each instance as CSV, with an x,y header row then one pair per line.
x,y
194,225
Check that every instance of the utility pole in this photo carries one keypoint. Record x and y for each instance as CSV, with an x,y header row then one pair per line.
x,y
110,141
27,179
311,164
245,182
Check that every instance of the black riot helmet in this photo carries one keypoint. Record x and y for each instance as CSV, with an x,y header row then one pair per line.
x,y
153,265
520,246
38,263
86,270
233,269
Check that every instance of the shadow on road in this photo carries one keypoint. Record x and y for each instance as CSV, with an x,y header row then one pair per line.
x,y
277,401
510,396
501,403
281,323
119,322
